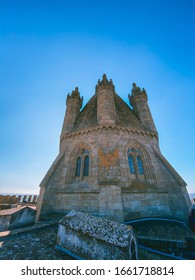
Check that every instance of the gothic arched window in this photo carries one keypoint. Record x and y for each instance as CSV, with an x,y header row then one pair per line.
x,y
82,164
131,164
135,162
78,167
86,166
140,165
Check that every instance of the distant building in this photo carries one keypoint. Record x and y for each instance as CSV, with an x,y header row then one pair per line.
x,y
110,163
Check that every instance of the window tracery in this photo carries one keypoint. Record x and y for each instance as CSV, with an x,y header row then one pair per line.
x,y
82,164
140,165
78,167
135,162
131,164
86,166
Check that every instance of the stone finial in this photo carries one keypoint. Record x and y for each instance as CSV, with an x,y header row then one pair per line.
x,y
76,96
105,83
76,92
136,91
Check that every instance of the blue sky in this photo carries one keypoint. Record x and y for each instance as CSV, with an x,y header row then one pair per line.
x,y
47,48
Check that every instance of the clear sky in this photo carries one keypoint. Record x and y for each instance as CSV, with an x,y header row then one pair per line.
x,y
47,48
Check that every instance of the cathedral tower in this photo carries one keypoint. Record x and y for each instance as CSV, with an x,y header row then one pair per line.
x,y
110,164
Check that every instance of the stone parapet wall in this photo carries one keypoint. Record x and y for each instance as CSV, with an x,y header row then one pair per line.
x,y
13,199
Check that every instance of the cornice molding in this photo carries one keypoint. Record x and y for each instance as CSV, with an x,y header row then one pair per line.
x,y
108,127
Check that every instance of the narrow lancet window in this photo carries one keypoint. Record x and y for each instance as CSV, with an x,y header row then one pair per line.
x,y
86,166
140,165
131,165
78,167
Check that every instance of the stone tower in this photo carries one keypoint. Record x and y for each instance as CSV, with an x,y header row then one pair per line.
x,y
110,164
73,104
106,112
139,102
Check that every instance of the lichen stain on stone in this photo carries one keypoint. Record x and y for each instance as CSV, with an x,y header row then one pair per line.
x,y
108,159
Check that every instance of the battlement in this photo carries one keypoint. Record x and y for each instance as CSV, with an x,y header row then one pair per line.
x,y
6,201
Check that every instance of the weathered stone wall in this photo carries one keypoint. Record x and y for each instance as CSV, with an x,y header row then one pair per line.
x,y
108,153
109,168
80,201
8,199
146,205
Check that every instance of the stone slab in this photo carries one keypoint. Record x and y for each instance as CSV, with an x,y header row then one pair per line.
x,y
94,238
16,217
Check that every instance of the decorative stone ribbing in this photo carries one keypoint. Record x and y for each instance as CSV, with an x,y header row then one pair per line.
x,y
112,127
